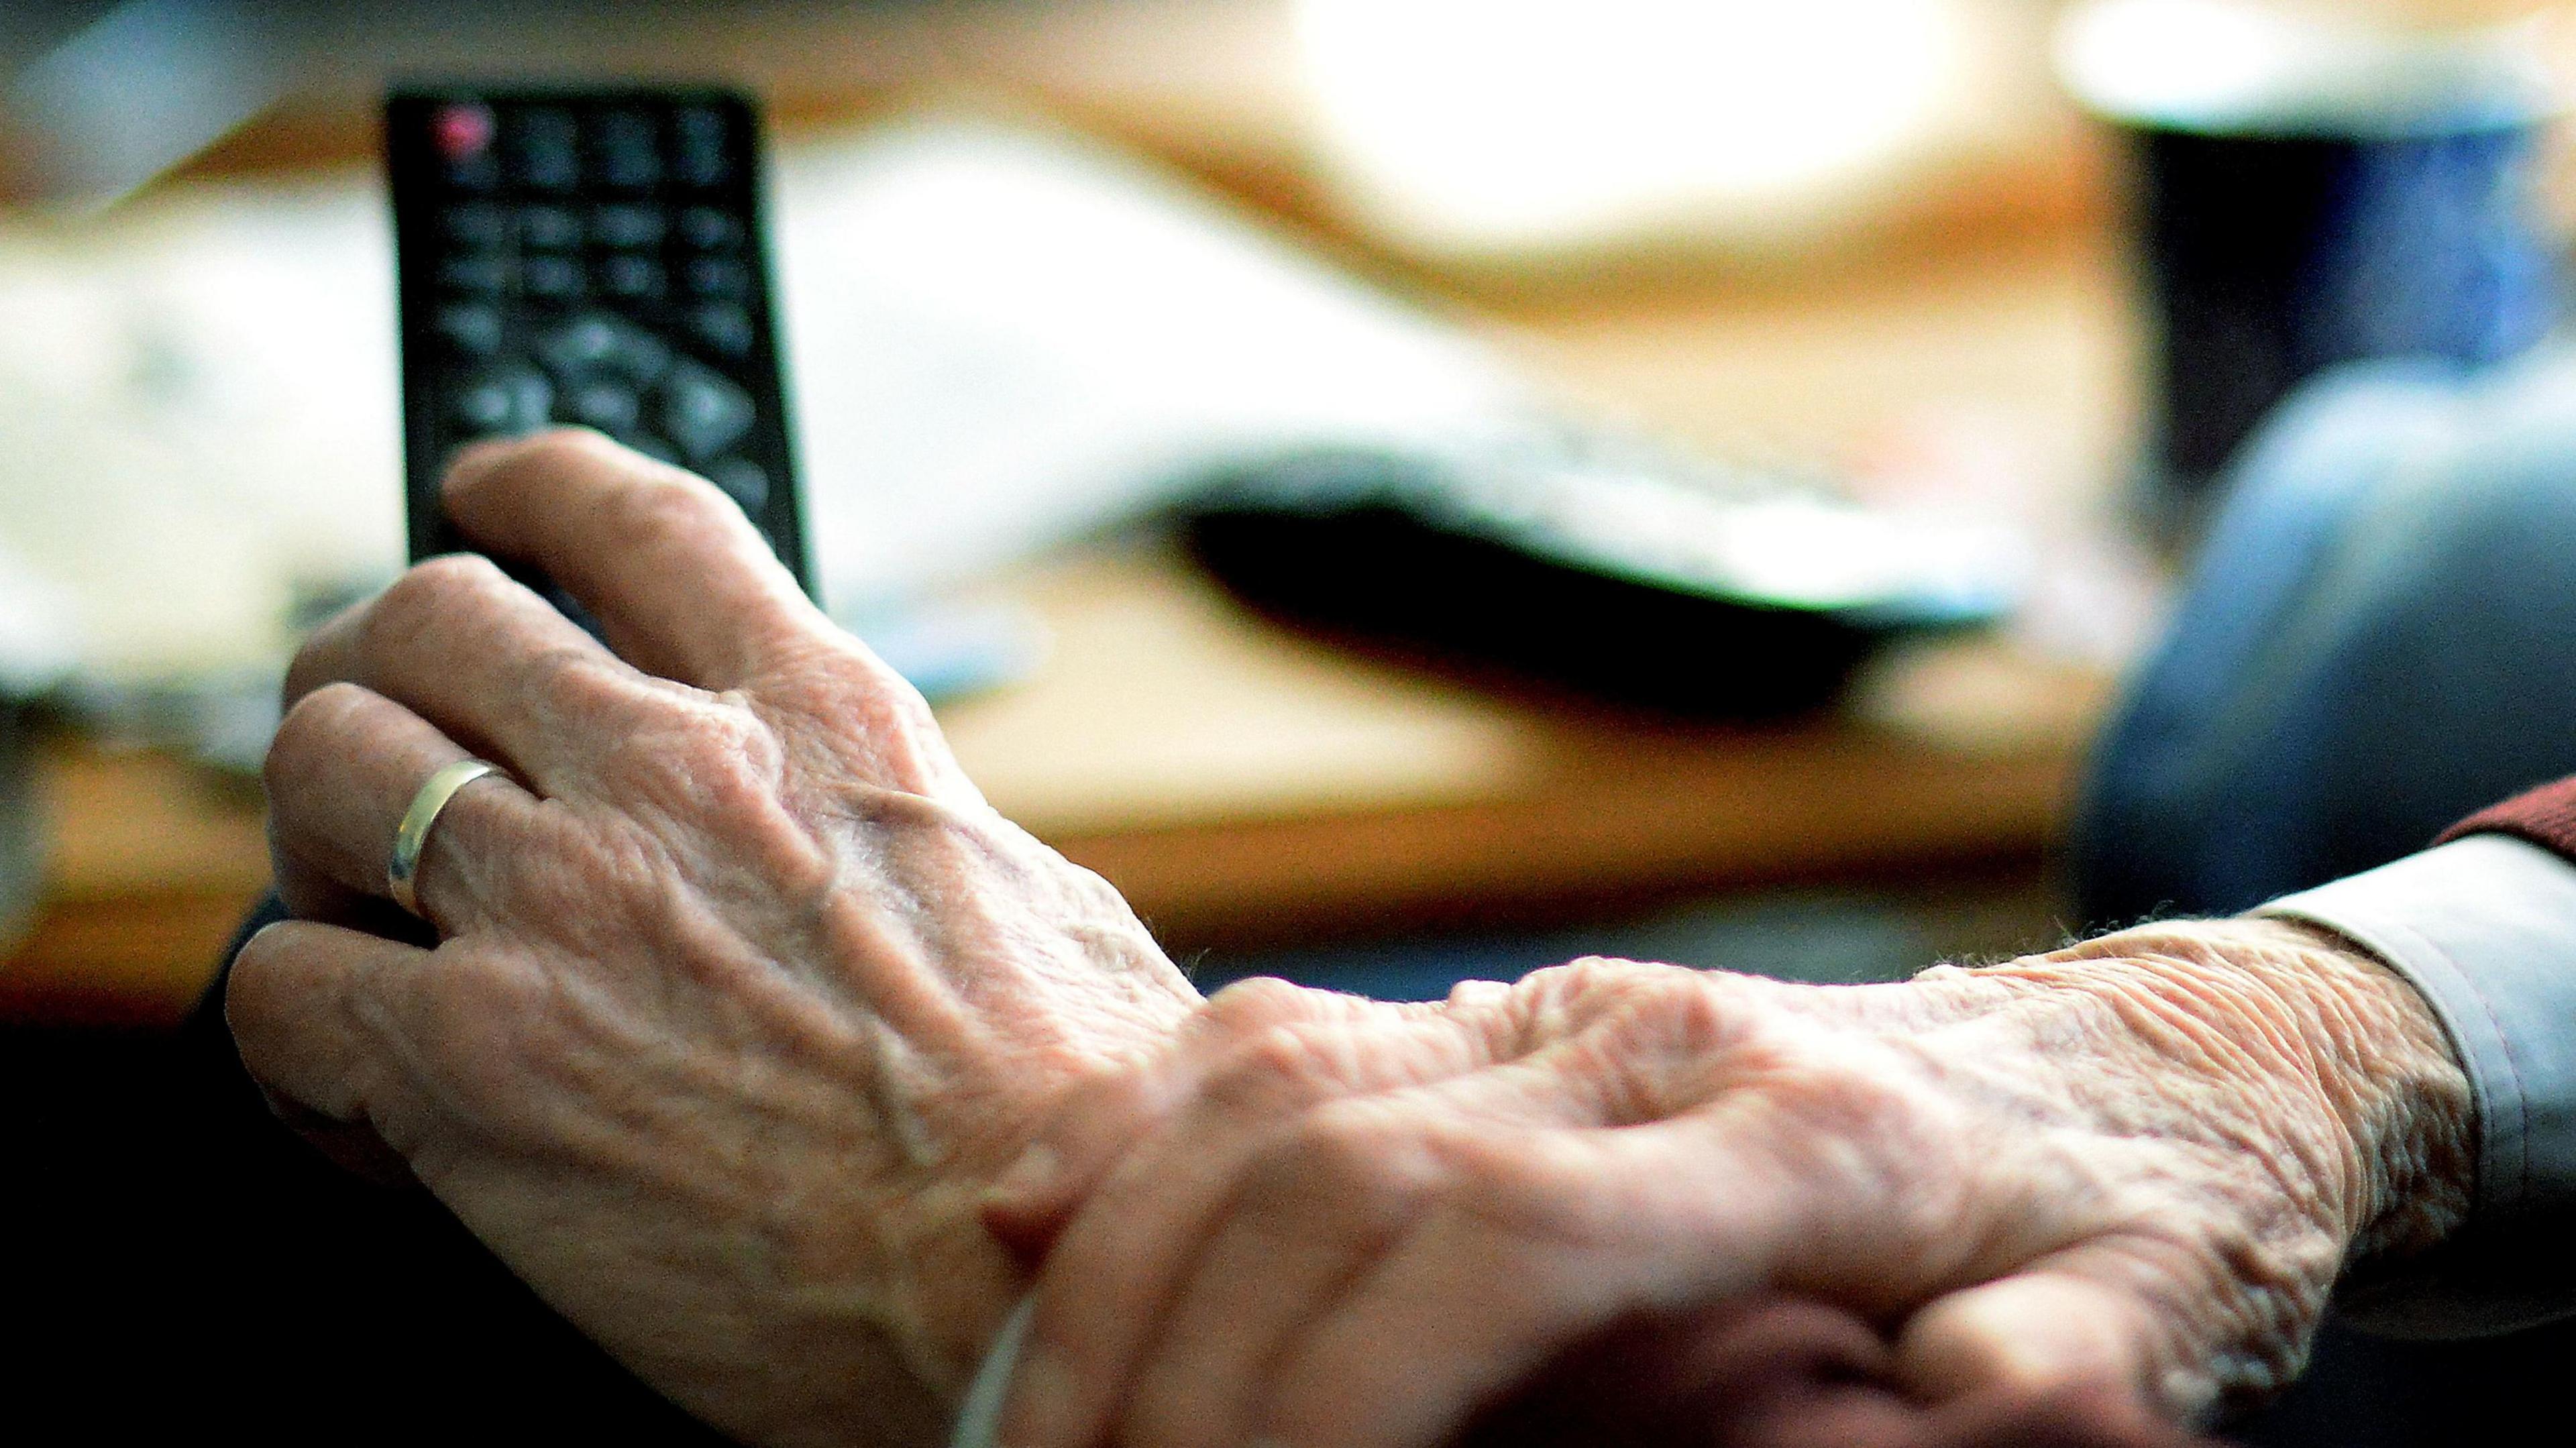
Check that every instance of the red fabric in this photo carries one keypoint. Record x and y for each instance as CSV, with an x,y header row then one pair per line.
x,y
1791,1374
2546,817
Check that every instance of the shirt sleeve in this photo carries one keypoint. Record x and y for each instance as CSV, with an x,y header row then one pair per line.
x,y
2485,928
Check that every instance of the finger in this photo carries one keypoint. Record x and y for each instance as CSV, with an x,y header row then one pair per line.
x,y
1765,1373
1499,1309
487,661
343,770
295,1003
1109,1278
1318,1210
678,578
1100,1118
1308,1223
2040,1331
1540,1240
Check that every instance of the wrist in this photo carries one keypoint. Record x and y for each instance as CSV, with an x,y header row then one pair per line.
x,y
2360,1085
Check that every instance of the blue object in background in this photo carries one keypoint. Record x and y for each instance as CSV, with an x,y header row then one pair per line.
x,y
2378,639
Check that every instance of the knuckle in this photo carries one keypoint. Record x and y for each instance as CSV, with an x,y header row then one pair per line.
x,y
727,746
1272,1070
1673,1017
1249,1007
829,682
319,728
580,687
720,768
1561,997
892,711
890,715
891,703
427,594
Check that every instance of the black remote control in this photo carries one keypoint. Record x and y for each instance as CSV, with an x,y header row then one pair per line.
x,y
592,257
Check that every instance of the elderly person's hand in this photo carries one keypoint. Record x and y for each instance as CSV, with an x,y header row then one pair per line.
x,y
2138,1163
741,994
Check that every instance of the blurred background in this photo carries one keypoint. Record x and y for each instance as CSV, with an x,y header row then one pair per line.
x,y
2007,346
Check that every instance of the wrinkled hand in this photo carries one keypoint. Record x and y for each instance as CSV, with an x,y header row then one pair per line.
x,y
2139,1163
741,994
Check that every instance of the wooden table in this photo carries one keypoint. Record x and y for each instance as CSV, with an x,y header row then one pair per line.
x,y
1241,785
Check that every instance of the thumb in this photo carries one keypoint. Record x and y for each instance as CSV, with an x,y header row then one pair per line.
x,y
2028,1335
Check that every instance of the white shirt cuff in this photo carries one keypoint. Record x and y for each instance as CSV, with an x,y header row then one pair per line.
x,y
2485,929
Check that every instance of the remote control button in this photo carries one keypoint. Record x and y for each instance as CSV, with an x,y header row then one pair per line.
x,y
639,278
548,152
701,158
704,411
483,173
462,133
474,327
504,400
743,481
555,278
482,276
630,154
461,129
719,276
608,406
478,224
725,326
549,228
627,226
596,342
708,229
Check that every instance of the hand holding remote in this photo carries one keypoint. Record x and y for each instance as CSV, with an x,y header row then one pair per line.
x,y
742,994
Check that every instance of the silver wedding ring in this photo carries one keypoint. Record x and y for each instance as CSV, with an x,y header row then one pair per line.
x,y
412,835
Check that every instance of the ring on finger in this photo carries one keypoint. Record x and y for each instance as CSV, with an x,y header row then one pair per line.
x,y
402,867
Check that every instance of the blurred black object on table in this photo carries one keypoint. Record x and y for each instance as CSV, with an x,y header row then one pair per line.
x,y
1579,563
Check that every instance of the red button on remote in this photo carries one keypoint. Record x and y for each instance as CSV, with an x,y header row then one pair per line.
x,y
463,132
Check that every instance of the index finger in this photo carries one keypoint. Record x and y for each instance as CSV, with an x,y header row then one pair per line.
x,y
678,578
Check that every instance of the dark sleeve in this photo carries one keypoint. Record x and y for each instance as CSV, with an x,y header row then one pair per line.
x,y
2546,817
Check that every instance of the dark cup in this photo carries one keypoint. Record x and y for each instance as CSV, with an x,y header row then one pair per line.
x,y
2380,202
2268,258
